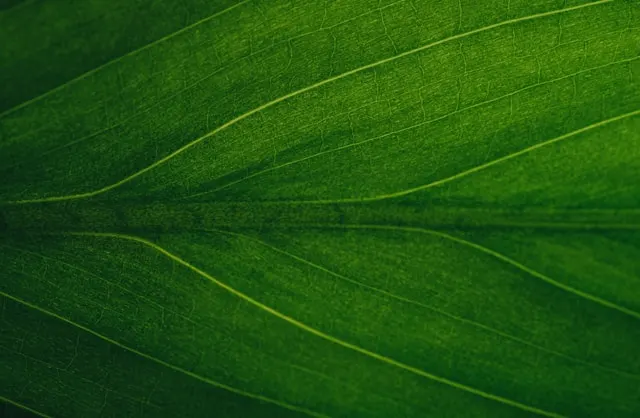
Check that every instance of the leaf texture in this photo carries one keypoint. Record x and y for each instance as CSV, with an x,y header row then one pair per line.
x,y
332,209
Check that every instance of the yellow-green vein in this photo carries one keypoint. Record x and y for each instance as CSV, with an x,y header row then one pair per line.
x,y
321,334
297,93
503,258
425,306
163,363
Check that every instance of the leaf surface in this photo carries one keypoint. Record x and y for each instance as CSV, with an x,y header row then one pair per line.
x,y
345,208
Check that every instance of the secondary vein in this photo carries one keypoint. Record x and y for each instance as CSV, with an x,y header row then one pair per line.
x,y
299,92
478,168
161,362
406,129
26,408
120,58
431,308
321,334
505,259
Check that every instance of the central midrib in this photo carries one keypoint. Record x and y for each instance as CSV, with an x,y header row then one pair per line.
x,y
181,217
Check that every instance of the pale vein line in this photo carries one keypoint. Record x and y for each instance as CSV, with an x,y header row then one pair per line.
x,y
476,168
431,308
139,296
26,408
97,277
304,369
408,128
297,93
182,90
503,258
319,333
120,58
173,95
161,362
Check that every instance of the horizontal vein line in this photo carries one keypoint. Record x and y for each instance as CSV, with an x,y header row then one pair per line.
x,y
479,167
161,362
505,259
431,308
21,406
120,58
408,128
298,92
319,333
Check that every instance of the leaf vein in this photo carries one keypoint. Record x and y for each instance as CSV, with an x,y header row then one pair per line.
x,y
21,406
120,58
163,363
477,168
321,334
301,91
431,308
505,259
408,128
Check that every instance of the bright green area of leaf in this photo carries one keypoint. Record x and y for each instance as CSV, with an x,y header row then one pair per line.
x,y
345,208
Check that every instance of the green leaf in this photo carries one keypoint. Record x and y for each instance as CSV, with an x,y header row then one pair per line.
x,y
350,208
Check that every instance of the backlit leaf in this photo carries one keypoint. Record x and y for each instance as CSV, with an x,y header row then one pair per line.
x,y
344,208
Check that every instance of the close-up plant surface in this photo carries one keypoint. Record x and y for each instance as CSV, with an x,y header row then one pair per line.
x,y
349,208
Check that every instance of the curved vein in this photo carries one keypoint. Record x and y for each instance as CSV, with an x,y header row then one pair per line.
x,y
480,167
537,274
120,58
205,324
431,308
100,278
299,92
319,333
26,408
181,90
505,259
163,363
408,128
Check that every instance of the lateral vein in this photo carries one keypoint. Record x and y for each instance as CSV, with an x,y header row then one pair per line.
x,y
476,168
26,408
431,308
408,128
503,258
161,362
537,274
301,91
120,58
321,334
